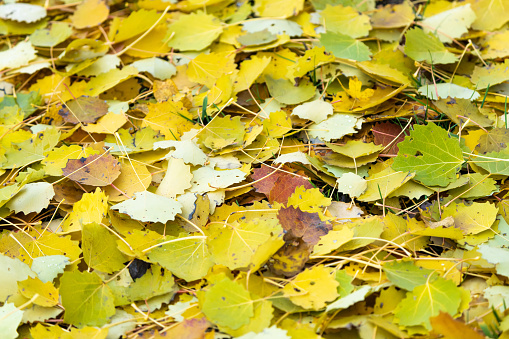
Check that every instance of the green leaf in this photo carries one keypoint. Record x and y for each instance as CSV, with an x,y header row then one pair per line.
x,y
473,218
156,281
427,301
86,299
236,245
345,47
346,20
497,256
227,303
287,93
431,154
147,206
12,271
426,47
100,250
406,275
494,162
10,318
188,259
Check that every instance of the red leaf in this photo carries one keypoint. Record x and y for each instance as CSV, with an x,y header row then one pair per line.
x,y
385,133
269,178
284,187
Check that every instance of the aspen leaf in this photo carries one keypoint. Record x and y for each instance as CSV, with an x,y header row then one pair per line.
x,y
427,301
406,275
491,14
279,8
90,13
83,110
100,249
335,127
47,293
156,281
312,288
228,304
193,32
187,258
345,47
208,68
22,12
422,46
346,20
207,179
285,92
19,55
146,206
94,170
87,300
136,23
91,208
52,36
302,225
435,161
316,110
11,318
33,197
450,24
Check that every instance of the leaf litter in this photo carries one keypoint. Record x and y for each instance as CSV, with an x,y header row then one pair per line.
x,y
254,169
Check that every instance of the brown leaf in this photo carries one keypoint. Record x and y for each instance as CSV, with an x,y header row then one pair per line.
x,y
304,225
290,259
83,109
385,133
67,193
96,170
269,175
190,329
445,325
285,186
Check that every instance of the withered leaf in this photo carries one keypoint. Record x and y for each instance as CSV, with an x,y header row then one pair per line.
x,y
290,259
95,170
284,187
83,109
302,225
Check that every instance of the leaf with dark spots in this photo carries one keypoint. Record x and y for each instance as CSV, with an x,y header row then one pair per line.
x,y
493,141
302,225
95,170
290,259
83,110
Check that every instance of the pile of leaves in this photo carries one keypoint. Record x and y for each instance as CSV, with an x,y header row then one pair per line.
x,y
254,169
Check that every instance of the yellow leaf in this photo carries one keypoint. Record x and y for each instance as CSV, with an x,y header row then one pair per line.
x,y
91,208
47,293
356,92
250,70
278,8
170,118
134,177
207,68
313,288
309,200
311,59
90,13
135,24
194,32
279,63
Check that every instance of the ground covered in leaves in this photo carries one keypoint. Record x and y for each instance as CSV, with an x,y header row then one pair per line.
x,y
254,169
